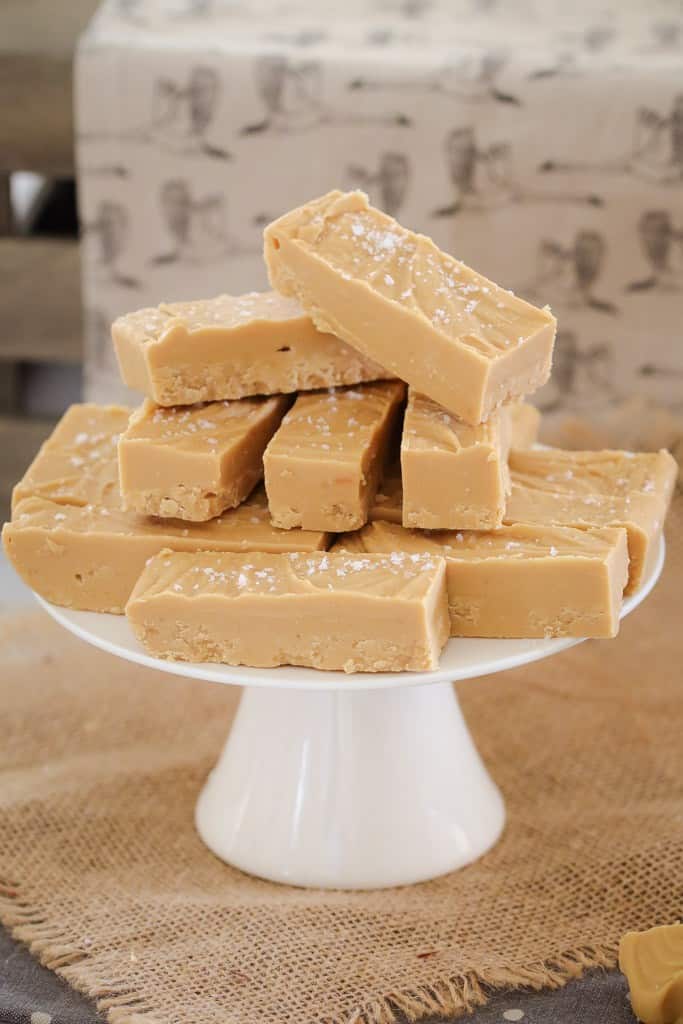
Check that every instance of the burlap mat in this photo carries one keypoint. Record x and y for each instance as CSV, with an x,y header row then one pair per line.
x,y
103,875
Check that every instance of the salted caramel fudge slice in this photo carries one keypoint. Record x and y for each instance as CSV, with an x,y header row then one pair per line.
x,y
552,487
521,581
89,557
392,294
653,964
525,421
232,346
76,465
455,476
356,614
323,466
193,462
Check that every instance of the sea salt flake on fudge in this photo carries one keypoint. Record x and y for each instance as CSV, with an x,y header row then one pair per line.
x,y
193,462
454,475
553,487
323,466
519,581
335,612
449,332
232,346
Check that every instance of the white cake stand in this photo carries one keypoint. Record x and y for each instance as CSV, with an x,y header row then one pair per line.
x,y
346,781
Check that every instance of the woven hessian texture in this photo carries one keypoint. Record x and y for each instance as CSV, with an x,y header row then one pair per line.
x,y
103,875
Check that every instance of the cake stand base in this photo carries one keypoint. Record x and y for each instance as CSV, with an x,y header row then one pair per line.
x,y
350,790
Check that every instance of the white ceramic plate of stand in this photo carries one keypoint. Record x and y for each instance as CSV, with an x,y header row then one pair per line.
x,y
347,781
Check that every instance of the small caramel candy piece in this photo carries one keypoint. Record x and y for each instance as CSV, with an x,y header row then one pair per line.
x,y
392,294
232,347
76,465
323,465
89,557
371,613
653,964
525,421
193,462
519,581
455,476
552,487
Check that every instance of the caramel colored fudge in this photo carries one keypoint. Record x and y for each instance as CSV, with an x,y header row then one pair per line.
x,y
231,347
653,964
449,332
388,502
323,466
76,465
520,581
89,557
455,476
525,421
193,462
552,487
369,614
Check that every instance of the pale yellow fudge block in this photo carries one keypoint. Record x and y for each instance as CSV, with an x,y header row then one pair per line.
x,y
193,462
455,476
322,467
653,964
89,557
553,487
520,581
356,614
525,422
232,346
76,465
449,332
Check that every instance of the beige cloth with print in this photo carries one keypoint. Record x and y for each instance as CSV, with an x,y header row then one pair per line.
x,y
102,873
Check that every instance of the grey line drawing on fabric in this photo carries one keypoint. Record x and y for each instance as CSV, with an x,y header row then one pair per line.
x,y
484,178
109,229
390,181
566,274
658,237
198,228
581,379
467,77
593,40
291,93
656,155
404,8
181,117
301,37
101,356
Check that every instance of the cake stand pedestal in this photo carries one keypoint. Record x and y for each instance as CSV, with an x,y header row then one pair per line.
x,y
346,781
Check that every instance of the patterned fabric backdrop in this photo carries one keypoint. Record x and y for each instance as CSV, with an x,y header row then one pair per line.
x,y
542,145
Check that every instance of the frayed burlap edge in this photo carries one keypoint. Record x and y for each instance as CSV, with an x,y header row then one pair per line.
x,y
453,996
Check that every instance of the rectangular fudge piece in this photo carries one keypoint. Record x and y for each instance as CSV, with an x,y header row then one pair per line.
x,y
552,487
232,346
449,332
323,466
76,465
368,614
520,581
89,557
525,421
193,462
455,476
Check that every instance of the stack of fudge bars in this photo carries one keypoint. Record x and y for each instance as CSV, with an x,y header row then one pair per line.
x,y
339,473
